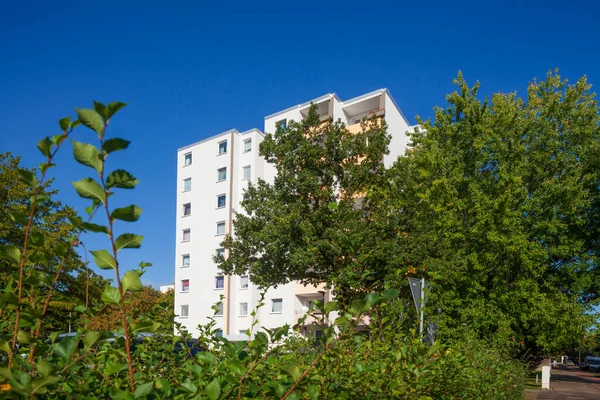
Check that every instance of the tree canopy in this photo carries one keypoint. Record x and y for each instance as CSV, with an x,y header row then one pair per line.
x,y
500,201
314,223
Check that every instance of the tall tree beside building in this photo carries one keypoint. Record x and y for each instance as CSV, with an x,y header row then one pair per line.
x,y
314,223
500,202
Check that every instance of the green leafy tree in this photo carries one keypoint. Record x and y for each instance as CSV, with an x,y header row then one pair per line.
x,y
137,304
50,225
315,222
499,199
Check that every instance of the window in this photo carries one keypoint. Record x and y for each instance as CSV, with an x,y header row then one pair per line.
x,y
277,306
243,331
221,252
221,228
184,310
187,159
223,147
185,285
187,184
219,282
185,260
221,200
219,310
187,209
281,124
247,145
244,282
310,304
219,333
243,309
186,235
221,174
246,172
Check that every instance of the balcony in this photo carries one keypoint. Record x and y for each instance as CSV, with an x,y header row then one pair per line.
x,y
310,290
354,124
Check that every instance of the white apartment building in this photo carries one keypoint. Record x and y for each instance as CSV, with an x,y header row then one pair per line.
x,y
211,177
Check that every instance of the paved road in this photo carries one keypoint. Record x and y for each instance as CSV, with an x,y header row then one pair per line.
x,y
571,383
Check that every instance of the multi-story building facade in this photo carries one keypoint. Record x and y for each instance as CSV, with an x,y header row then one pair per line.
x,y
211,177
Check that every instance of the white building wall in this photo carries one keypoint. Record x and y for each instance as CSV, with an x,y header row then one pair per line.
x,y
397,128
204,241
202,223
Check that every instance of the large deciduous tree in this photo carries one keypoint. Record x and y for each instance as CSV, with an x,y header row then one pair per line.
x,y
499,199
313,222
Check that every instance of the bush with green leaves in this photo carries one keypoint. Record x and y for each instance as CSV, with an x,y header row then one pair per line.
x,y
380,361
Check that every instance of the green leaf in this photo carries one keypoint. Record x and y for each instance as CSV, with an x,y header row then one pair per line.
x,y
143,389
331,306
64,123
92,120
88,155
113,108
29,178
332,206
163,385
128,241
39,383
113,368
129,214
188,386
101,109
144,326
90,189
213,389
121,179
91,337
144,264
43,167
65,348
131,281
23,337
58,139
45,146
43,367
207,358
294,371
18,218
111,295
88,226
10,252
9,297
104,259
114,144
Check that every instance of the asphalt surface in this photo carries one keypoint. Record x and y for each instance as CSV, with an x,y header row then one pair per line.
x,y
571,383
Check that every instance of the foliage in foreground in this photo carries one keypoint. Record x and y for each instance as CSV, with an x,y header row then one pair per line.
x,y
384,361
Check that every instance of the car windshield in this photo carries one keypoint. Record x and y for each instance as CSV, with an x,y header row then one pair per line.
x,y
594,360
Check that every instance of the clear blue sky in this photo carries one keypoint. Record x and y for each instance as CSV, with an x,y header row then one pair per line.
x,y
191,70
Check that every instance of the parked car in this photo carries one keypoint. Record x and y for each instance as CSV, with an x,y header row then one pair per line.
x,y
591,363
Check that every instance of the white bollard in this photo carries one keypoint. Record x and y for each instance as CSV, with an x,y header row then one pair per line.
x,y
545,377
